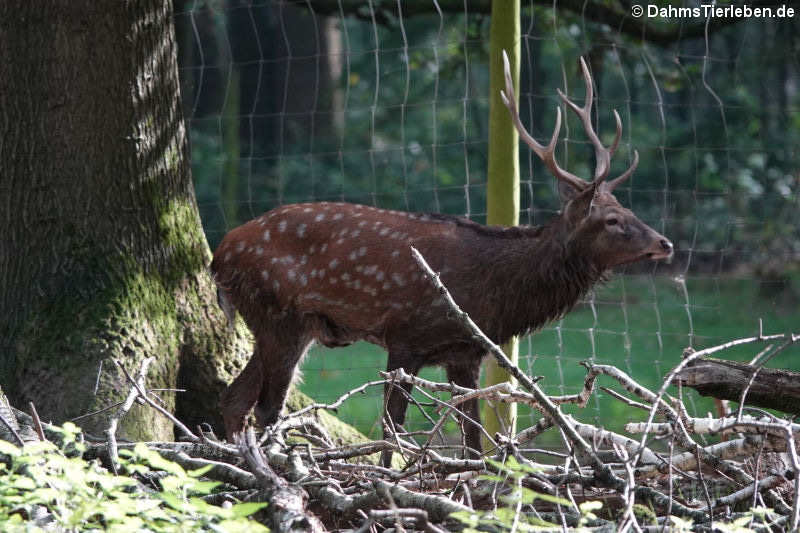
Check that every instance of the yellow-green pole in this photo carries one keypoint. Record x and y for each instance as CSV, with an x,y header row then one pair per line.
x,y
502,196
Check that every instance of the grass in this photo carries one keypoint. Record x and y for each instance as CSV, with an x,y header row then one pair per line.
x,y
640,324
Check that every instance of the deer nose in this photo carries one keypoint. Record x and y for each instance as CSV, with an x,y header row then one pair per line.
x,y
666,245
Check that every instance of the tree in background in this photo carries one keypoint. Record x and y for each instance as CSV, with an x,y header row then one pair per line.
x,y
102,254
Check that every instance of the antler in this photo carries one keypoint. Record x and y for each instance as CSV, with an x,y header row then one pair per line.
x,y
545,153
602,154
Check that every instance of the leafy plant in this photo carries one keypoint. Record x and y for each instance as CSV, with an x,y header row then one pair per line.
x,y
43,487
511,516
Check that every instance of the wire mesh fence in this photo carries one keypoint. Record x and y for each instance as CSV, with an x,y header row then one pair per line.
x,y
386,104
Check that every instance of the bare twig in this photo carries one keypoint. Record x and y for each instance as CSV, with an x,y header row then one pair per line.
x,y
133,393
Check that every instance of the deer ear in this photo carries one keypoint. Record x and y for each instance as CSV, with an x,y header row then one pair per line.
x,y
566,192
580,202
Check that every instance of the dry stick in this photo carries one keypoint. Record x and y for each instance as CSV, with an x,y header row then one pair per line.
x,y
143,395
286,510
133,393
402,376
674,372
602,471
676,416
547,406
12,429
103,410
37,424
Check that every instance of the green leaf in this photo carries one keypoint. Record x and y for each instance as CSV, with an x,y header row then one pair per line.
x,y
246,509
9,449
241,526
200,471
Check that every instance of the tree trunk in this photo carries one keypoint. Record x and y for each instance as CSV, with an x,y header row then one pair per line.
x,y
102,254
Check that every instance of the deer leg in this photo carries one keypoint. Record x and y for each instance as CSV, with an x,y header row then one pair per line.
x,y
278,376
266,378
396,400
240,396
466,375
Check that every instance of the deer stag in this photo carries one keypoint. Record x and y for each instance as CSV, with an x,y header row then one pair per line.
x,y
336,273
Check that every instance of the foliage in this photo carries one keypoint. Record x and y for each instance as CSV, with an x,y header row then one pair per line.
x,y
513,516
43,486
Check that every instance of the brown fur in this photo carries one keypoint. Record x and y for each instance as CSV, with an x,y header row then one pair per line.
x,y
338,273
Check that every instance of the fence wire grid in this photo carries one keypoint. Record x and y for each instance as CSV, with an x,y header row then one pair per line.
x,y
386,104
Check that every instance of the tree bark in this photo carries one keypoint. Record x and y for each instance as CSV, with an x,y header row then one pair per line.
x,y
772,388
102,253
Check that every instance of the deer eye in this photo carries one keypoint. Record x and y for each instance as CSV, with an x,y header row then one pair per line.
x,y
612,221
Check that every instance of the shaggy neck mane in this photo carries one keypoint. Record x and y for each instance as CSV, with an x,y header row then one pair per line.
x,y
528,279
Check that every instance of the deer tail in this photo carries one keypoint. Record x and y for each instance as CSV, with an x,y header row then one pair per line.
x,y
224,302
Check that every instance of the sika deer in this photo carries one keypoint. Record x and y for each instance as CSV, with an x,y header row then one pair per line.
x,y
336,273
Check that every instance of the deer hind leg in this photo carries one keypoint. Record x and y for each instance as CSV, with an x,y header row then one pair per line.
x,y
265,380
466,374
396,399
278,377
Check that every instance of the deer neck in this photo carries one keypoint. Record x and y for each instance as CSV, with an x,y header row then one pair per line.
x,y
534,279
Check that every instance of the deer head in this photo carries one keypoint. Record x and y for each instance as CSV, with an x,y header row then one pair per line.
x,y
595,223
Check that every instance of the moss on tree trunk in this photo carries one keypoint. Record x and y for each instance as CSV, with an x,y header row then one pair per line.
x,y
102,254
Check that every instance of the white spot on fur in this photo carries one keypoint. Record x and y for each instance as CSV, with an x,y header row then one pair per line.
x,y
307,210
291,274
355,233
276,285
240,246
334,262
259,250
398,279
265,274
362,251
345,276
266,235
337,216
362,223
383,231
303,280
303,259
396,253
320,217
357,284
352,256
379,275
312,249
282,226
227,256
333,280
301,230
321,273
323,248
386,285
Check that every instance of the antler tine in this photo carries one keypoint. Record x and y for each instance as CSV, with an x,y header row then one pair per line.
x,y
611,185
545,153
602,154
617,136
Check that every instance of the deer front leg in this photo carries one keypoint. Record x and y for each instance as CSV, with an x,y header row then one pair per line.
x,y
395,399
466,374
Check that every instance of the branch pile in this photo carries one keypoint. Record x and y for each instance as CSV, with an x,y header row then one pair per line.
x,y
673,470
